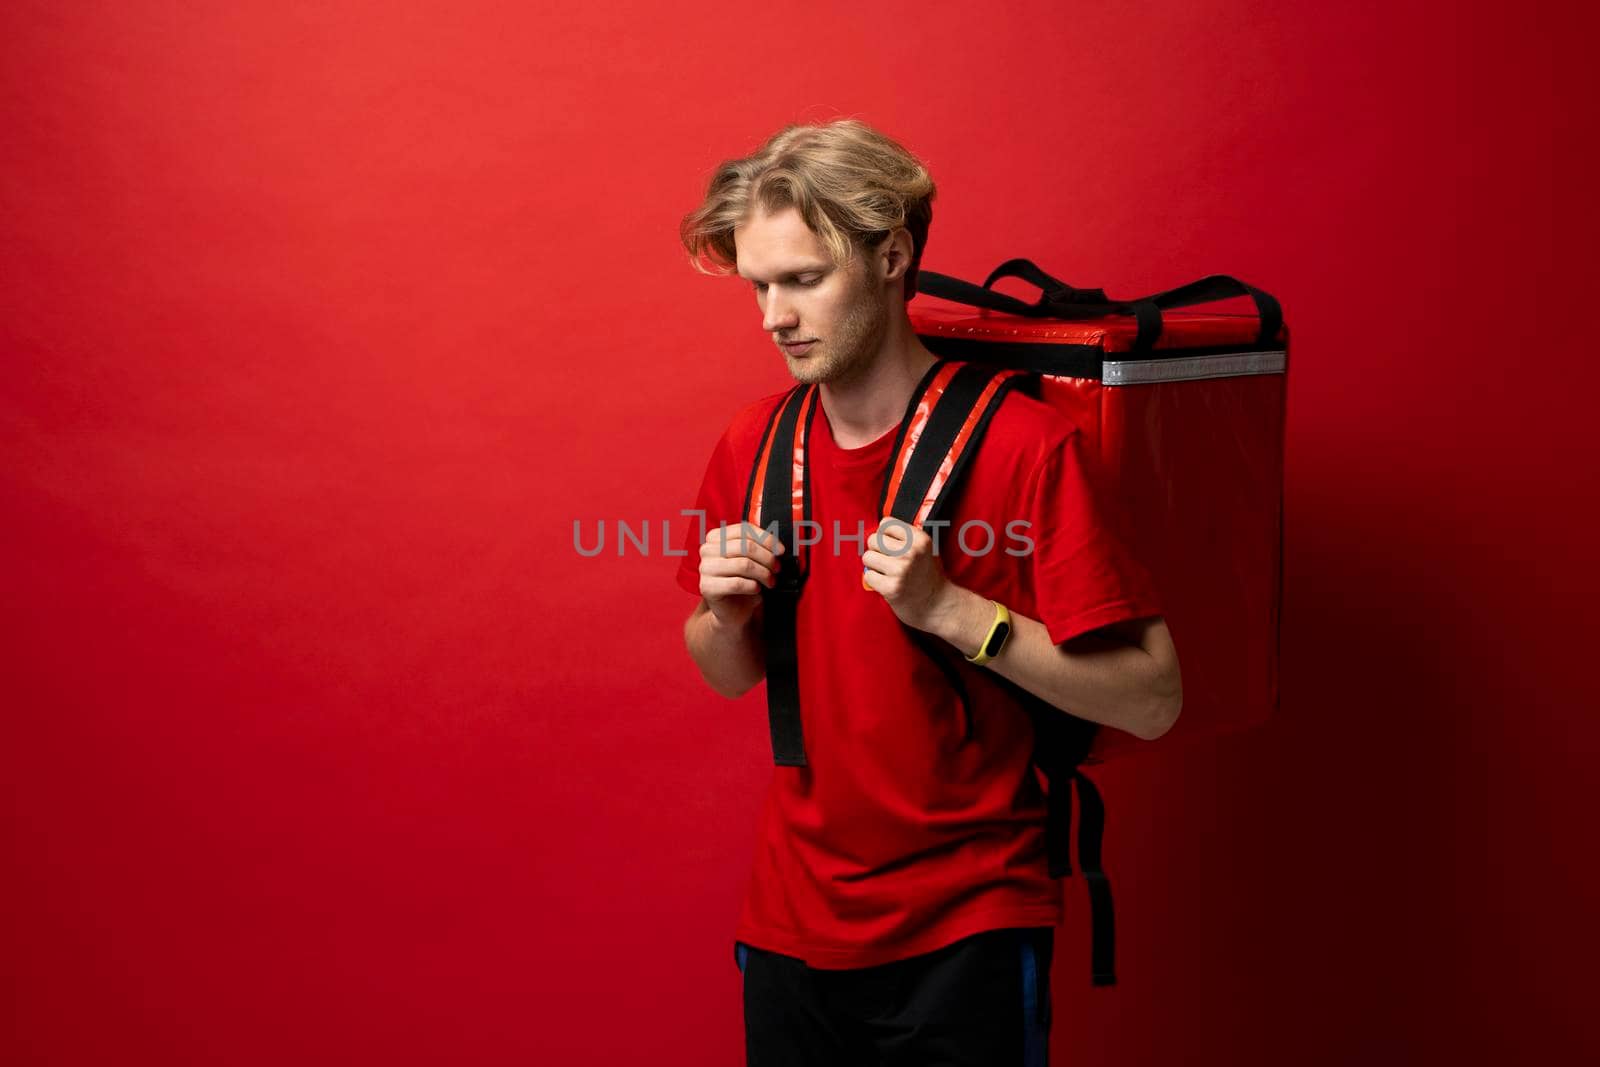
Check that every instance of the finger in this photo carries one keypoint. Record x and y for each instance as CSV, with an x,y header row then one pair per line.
x,y
743,549
716,535
891,545
724,587
737,566
887,566
766,538
738,546
879,565
887,544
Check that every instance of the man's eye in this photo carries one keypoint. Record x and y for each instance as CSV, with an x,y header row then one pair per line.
x,y
761,287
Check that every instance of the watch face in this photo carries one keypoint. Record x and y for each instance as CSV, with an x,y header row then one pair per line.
x,y
1001,632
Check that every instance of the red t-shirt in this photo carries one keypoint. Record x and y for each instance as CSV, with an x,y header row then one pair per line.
x,y
898,838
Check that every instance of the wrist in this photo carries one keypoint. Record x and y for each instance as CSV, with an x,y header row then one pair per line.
x,y
728,629
963,618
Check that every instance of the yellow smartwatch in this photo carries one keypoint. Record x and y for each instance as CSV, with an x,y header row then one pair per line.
x,y
995,639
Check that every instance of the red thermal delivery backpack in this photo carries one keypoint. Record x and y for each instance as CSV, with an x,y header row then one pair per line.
x,y
1184,415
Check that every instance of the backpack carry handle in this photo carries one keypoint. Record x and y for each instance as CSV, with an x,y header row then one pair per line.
x,y
1222,287
1059,290
1059,300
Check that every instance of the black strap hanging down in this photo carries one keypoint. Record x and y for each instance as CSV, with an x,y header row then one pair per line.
x,y
1058,300
773,509
1061,745
1102,932
1091,833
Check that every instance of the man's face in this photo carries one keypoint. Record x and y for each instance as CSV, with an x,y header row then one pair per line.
x,y
805,296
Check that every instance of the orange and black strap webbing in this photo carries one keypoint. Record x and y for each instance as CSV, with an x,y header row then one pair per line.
x,y
778,499
944,424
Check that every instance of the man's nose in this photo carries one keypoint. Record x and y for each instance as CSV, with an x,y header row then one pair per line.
x,y
779,314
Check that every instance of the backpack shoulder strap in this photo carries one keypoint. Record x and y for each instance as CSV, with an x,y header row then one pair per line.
x,y
778,498
943,425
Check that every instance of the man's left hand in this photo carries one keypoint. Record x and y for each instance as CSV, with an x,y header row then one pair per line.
x,y
906,572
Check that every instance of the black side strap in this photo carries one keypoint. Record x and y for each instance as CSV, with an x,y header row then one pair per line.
x,y
780,604
1091,829
1061,745
1058,300
1091,832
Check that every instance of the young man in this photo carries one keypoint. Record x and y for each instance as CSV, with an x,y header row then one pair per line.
x,y
899,909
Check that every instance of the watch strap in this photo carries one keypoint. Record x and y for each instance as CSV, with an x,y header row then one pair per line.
x,y
995,639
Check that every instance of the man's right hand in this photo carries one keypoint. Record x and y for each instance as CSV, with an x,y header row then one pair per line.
x,y
736,562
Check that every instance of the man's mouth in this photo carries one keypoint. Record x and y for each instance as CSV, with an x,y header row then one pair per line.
x,y
795,348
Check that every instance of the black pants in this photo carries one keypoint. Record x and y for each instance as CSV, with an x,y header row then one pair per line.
x,y
983,1000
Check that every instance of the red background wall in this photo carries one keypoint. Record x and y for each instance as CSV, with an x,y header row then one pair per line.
x,y
323,323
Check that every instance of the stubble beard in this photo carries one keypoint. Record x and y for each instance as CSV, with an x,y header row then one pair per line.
x,y
848,354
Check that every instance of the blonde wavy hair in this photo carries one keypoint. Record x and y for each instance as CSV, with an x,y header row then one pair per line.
x,y
851,184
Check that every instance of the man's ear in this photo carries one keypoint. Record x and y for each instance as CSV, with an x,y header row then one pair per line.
x,y
894,252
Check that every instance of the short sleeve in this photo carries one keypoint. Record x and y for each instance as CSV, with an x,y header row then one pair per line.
x,y
1083,574
719,500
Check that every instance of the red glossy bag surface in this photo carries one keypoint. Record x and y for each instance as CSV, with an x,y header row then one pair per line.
x,y
1188,443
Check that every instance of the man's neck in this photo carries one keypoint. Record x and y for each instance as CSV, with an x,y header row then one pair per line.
x,y
864,409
